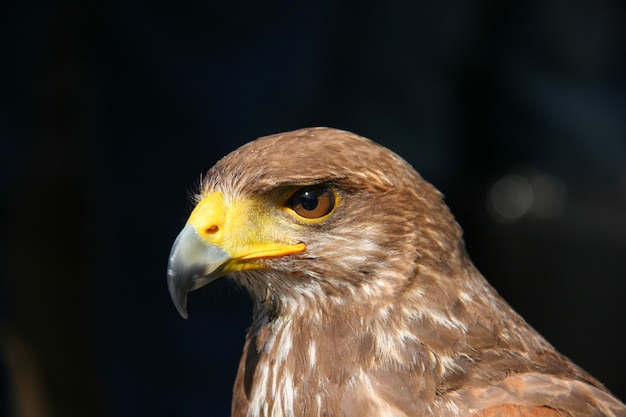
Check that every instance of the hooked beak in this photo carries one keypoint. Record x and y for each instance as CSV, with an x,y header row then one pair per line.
x,y
221,238
193,263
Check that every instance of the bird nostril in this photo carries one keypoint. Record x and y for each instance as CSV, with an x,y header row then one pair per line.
x,y
212,229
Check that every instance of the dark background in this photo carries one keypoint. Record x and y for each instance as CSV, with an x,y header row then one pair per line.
x,y
111,110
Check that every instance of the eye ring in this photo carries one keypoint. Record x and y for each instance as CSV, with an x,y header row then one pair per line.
x,y
312,202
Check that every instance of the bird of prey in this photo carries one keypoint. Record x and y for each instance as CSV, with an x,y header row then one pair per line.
x,y
365,300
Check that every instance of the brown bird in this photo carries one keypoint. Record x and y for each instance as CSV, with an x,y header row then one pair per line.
x,y
365,300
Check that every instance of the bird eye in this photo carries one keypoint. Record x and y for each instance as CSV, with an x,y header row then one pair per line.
x,y
312,202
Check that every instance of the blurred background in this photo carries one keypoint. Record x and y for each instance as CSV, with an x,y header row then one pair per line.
x,y
111,110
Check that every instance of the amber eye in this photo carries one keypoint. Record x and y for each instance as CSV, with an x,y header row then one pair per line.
x,y
312,202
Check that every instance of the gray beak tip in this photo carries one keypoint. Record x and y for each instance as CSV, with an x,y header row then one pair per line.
x,y
178,293
192,264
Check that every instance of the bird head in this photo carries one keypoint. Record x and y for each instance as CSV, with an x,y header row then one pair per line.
x,y
308,214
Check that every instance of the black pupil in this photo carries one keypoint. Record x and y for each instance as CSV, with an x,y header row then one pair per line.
x,y
309,200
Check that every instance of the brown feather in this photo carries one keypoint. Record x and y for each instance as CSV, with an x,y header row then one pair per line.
x,y
510,410
384,314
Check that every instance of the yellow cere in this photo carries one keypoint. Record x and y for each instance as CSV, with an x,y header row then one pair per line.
x,y
246,229
208,215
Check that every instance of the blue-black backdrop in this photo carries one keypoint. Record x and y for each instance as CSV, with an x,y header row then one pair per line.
x,y
111,110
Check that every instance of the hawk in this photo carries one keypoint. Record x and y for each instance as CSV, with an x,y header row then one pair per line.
x,y
365,300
